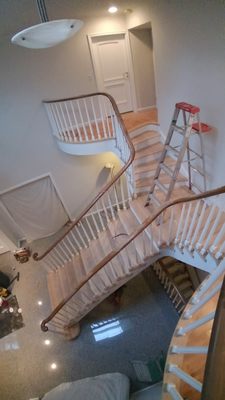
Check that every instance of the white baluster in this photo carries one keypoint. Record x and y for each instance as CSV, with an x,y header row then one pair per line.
x,y
185,377
71,128
196,307
106,117
174,394
85,232
52,120
82,121
95,119
116,197
112,117
95,223
56,250
102,119
111,206
80,236
187,222
63,251
212,231
67,248
180,225
197,229
62,130
189,349
71,244
64,123
75,239
196,324
88,118
105,210
193,222
90,228
171,223
206,227
100,217
122,192
76,123
218,239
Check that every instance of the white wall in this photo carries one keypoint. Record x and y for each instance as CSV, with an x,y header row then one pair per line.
x,y
27,147
142,57
188,42
189,59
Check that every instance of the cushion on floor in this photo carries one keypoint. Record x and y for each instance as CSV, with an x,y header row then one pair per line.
x,y
113,386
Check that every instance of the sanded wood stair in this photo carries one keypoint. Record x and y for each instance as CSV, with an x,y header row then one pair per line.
x,y
148,148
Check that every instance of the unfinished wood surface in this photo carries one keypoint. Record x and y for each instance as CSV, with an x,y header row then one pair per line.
x,y
193,364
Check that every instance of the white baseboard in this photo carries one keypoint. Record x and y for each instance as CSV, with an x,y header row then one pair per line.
x,y
146,108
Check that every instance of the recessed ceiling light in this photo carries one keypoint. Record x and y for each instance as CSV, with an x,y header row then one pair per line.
x,y
53,366
47,342
112,9
40,303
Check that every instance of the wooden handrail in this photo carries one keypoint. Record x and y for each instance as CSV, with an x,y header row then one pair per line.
x,y
148,221
36,257
214,377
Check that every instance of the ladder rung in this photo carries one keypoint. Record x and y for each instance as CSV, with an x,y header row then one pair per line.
x,y
166,169
161,186
197,154
172,149
197,170
179,129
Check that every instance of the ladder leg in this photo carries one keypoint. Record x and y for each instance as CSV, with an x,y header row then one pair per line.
x,y
189,167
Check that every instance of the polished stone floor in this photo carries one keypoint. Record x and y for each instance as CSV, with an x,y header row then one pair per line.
x,y
112,336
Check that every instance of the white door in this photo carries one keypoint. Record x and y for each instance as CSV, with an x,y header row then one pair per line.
x,y
110,60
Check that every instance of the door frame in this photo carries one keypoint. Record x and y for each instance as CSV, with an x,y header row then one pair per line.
x,y
129,60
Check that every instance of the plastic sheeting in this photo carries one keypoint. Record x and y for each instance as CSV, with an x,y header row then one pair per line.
x,y
33,211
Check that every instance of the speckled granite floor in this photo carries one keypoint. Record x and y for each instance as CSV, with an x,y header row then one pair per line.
x,y
33,362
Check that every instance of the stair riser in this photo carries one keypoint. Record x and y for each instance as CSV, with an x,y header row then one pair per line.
x,y
145,189
145,159
143,175
142,129
149,142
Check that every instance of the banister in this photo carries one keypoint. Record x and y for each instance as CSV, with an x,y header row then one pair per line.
x,y
36,257
148,221
214,382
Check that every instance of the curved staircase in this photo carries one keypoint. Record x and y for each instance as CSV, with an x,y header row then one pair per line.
x,y
116,237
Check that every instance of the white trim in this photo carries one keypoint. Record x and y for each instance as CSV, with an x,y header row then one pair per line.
x,y
129,60
89,148
146,108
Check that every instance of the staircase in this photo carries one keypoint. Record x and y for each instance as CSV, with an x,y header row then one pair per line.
x,y
116,236
177,279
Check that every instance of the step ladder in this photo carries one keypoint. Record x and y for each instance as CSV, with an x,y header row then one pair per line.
x,y
185,122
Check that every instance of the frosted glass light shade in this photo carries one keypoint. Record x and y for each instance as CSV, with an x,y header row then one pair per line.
x,y
47,34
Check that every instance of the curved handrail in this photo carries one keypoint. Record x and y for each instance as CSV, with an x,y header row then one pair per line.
x,y
36,257
148,221
214,382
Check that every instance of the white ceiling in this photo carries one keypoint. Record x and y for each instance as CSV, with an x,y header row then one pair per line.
x,y
18,14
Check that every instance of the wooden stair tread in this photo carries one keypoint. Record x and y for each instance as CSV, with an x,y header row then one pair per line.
x,y
146,135
128,256
149,150
54,289
142,242
164,179
152,165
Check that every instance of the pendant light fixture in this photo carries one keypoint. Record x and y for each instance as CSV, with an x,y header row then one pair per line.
x,y
48,33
